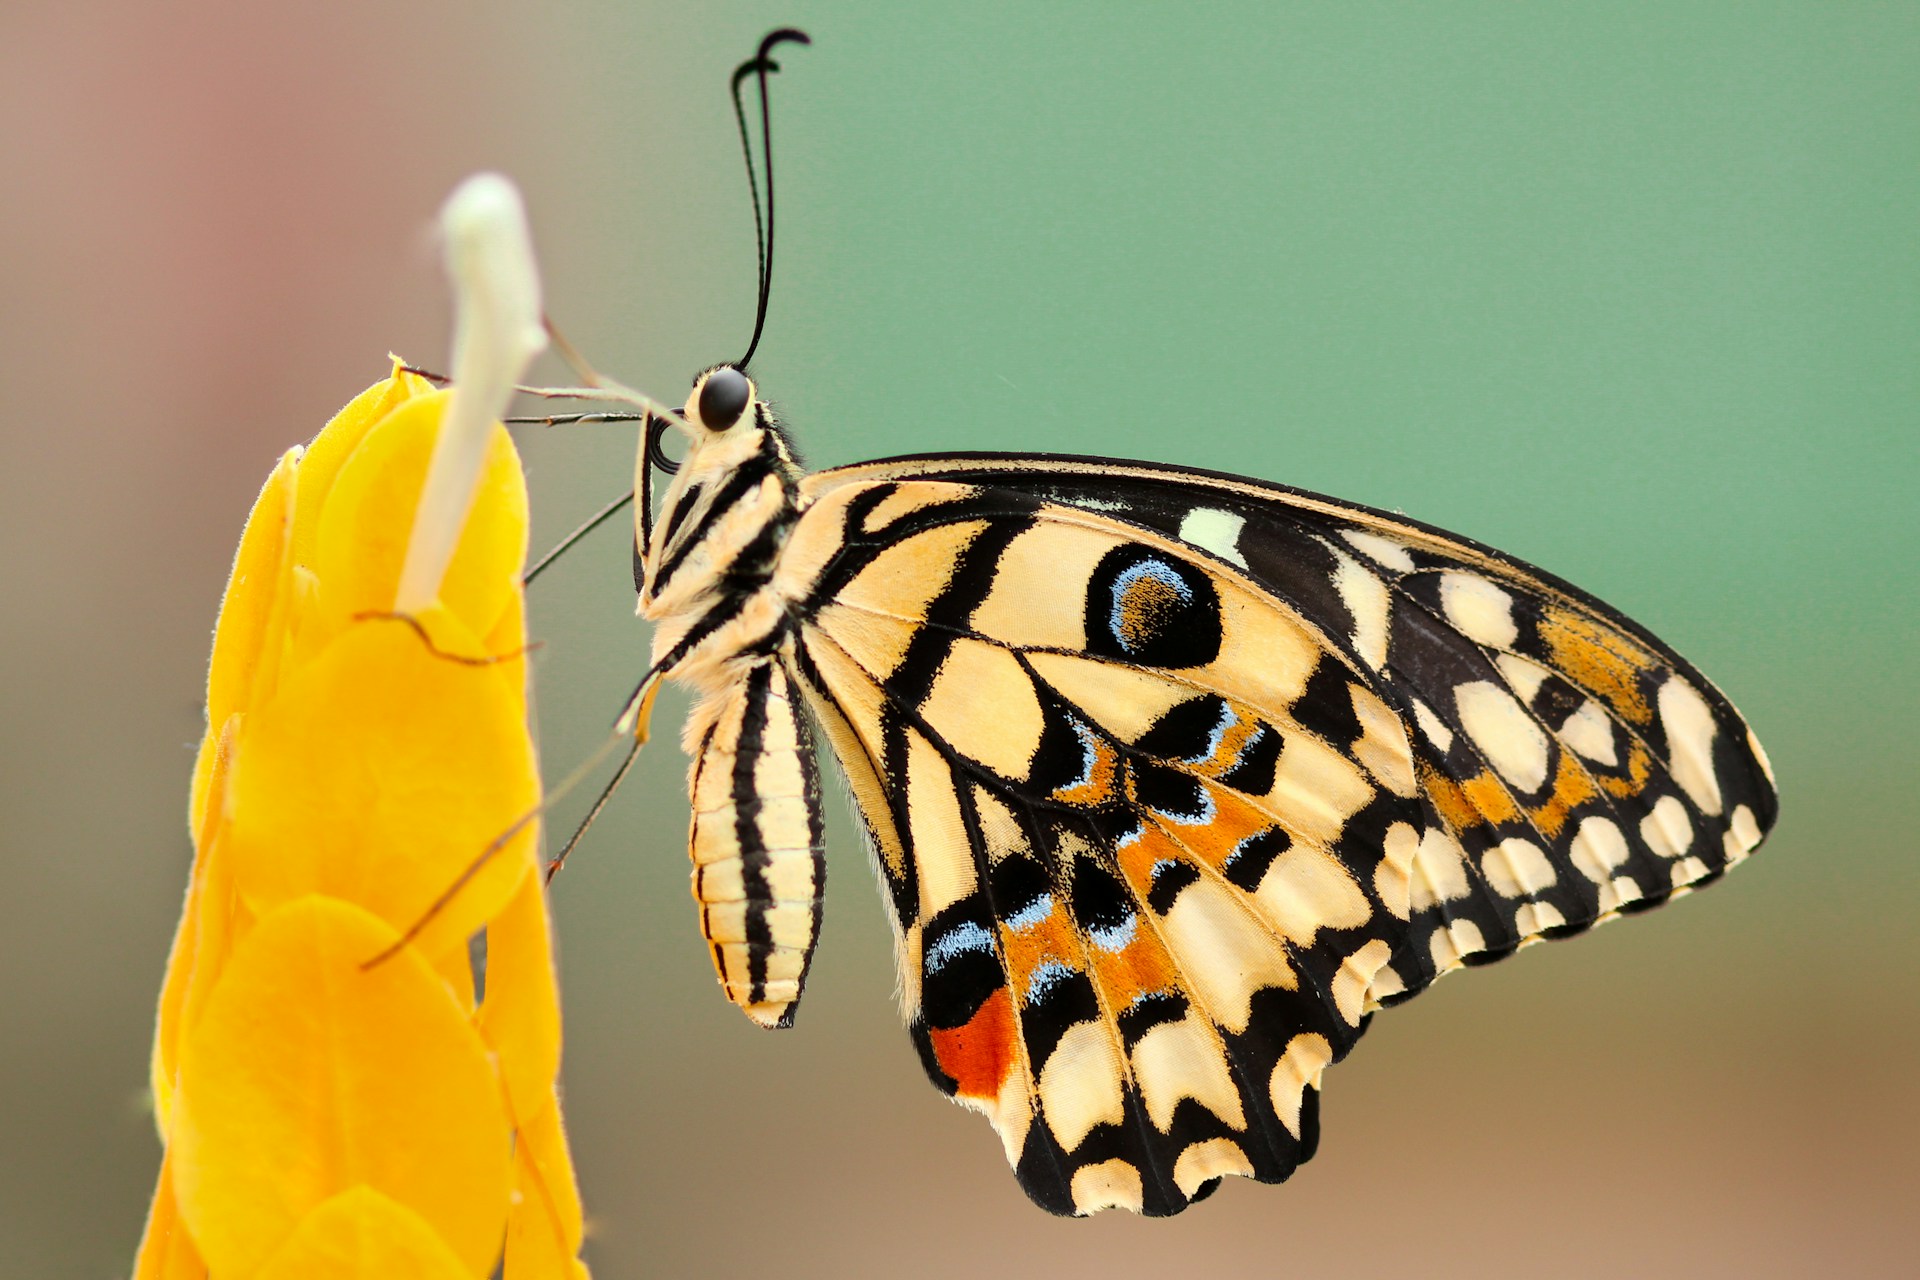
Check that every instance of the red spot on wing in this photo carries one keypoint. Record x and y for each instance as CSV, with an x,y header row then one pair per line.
x,y
979,1055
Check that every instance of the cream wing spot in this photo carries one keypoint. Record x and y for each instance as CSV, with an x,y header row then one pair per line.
x,y
1525,677
1365,596
1690,733
1318,788
1308,889
1179,1060
1618,892
1535,918
1080,1085
1382,551
1382,747
1298,1070
1453,942
1216,531
1743,834
1516,868
1386,984
943,857
1688,870
1665,828
1505,734
1111,1184
1202,1162
1224,952
1439,870
1590,733
983,705
1351,980
1598,849
1392,876
1432,725
1481,611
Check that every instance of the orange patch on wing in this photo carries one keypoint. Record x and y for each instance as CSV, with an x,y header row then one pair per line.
x,y
1571,786
1454,808
1234,741
1639,769
1137,857
1490,796
1146,608
1234,819
1143,965
1050,939
1099,788
978,1055
1599,659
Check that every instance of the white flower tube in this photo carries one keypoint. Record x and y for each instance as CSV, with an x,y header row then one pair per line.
x,y
497,333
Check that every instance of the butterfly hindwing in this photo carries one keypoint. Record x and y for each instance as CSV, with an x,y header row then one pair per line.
x,y
1173,778
1134,881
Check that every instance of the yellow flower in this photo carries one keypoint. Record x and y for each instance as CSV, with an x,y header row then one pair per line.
x,y
367,741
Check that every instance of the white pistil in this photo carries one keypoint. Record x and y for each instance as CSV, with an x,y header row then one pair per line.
x,y
497,333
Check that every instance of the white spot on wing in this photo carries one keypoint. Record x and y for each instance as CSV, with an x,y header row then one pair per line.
x,y
1182,1059
1439,872
1355,974
1525,677
1743,834
1590,733
1597,849
1432,725
1297,1071
1216,531
1507,736
1516,868
1482,611
1458,939
1666,829
1080,1085
1535,918
1382,551
1365,596
1690,732
1111,1184
1202,1162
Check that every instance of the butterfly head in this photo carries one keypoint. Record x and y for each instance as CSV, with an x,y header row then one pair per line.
x,y
731,445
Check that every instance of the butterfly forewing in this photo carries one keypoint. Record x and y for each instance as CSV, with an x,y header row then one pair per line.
x,y
1174,777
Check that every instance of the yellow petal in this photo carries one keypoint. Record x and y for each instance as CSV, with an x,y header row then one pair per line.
x,y
335,444
187,952
379,774
455,968
308,1074
166,1250
362,1235
369,518
509,634
520,1016
239,638
545,1227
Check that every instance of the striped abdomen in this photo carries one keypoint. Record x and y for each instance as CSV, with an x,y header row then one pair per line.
x,y
758,865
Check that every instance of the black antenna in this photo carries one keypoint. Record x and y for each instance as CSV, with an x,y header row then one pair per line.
x,y
759,65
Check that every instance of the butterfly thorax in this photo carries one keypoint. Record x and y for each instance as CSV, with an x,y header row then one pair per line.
x,y
708,568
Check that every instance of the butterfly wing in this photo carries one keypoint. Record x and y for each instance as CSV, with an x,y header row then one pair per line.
x,y
1174,777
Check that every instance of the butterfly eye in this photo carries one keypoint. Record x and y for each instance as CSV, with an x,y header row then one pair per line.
x,y
724,397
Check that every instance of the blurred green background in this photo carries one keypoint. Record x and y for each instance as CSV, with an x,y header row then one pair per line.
x,y
1630,290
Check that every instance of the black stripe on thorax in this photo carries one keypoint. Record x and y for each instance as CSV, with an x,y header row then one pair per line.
x,y
745,480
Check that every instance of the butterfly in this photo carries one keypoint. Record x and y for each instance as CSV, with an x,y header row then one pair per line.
x,y
1173,778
